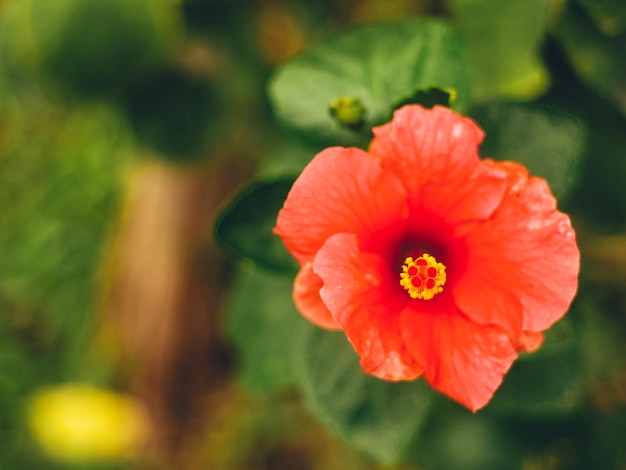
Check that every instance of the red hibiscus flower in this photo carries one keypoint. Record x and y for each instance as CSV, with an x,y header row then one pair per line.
x,y
433,262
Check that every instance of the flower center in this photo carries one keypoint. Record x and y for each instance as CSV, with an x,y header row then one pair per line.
x,y
423,277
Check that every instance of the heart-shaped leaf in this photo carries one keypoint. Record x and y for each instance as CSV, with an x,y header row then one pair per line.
x,y
378,68
375,416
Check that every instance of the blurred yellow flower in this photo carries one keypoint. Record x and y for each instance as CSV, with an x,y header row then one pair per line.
x,y
81,422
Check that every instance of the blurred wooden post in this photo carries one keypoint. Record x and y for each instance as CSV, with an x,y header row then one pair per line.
x,y
165,283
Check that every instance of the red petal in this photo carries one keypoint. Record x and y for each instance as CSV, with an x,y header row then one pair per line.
x,y
435,154
464,360
526,250
341,190
530,341
482,297
306,296
357,292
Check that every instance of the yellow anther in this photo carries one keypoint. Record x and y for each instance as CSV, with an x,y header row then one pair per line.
x,y
423,277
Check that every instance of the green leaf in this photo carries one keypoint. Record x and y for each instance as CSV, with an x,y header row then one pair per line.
x,y
503,40
381,66
597,59
431,97
244,227
454,438
375,416
548,143
266,328
547,382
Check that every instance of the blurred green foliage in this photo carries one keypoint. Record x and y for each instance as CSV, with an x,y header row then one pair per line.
x,y
504,39
90,89
59,194
103,46
545,141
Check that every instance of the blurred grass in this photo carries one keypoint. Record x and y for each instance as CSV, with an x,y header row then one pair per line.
x,y
60,192
61,176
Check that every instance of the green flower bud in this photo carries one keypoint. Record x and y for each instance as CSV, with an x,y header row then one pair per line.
x,y
349,112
